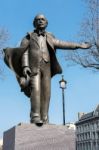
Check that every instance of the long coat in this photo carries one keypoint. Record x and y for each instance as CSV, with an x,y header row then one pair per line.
x,y
13,56
32,40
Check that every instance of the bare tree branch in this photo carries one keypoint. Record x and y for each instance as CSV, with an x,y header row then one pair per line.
x,y
4,36
89,32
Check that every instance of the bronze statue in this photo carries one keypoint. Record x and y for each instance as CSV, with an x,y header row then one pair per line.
x,y
34,63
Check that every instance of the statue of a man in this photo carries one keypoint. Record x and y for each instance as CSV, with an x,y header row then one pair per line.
x,y
34,63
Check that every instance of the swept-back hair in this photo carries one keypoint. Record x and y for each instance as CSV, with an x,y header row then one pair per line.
x,y
34,21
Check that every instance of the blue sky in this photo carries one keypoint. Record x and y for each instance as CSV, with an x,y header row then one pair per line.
x,y
64,18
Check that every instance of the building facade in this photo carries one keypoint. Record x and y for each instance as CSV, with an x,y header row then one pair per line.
x,y
87,131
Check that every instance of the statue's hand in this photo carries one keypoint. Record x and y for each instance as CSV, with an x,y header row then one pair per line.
x,y
85,45
26,71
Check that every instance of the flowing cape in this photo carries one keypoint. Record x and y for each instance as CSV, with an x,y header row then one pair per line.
x,y
12,58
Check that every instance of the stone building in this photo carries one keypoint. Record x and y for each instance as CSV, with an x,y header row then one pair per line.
x,y
87,130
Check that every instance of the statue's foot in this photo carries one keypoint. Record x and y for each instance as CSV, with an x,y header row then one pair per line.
x,y
37,121
45,119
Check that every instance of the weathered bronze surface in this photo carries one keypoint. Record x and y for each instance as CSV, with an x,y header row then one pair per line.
x,y
34,63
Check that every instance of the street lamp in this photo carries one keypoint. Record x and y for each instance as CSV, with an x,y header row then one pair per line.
x,y
63,86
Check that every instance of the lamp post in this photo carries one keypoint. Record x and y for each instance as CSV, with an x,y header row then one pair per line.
x,y
63,83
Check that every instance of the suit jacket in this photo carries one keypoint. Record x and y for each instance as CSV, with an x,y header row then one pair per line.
x,y
32,40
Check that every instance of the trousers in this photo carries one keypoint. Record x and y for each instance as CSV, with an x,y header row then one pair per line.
x,y
40,92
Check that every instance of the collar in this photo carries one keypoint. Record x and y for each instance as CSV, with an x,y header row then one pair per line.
x,y
40,32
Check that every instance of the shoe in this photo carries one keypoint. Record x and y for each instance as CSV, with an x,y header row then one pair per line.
x,y
45,120
37,121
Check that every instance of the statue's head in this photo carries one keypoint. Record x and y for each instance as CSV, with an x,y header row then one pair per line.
x,y
40,21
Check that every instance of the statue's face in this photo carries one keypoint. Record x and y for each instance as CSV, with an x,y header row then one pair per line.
x,y
40,22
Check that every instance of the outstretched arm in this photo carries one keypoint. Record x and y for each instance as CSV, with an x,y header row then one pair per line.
x,y
70,45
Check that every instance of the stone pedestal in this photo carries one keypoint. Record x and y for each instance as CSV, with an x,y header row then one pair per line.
x,y
31,137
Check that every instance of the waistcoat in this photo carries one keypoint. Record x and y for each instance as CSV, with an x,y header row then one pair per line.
x,y
38,51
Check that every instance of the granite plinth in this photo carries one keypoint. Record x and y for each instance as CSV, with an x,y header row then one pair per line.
x,y
31,137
